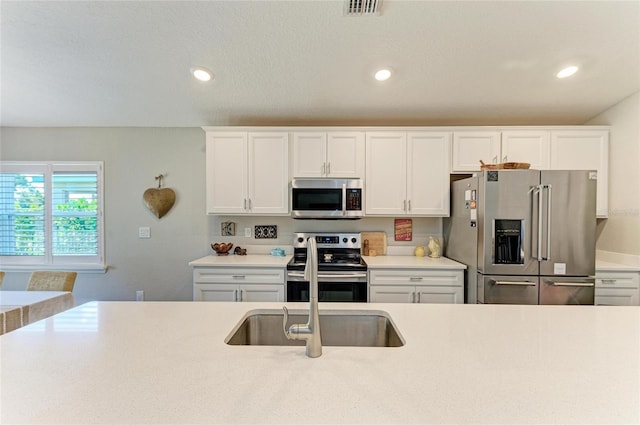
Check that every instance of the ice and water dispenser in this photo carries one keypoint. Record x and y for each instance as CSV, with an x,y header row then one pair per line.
x,y
508,235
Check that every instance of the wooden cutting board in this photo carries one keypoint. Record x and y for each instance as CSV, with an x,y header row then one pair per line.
x,y
377,241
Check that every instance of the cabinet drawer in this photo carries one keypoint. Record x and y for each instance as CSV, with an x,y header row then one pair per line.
x,y
623,296
416,277
618,281
239,276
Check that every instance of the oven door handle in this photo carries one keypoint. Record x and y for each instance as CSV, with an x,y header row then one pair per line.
x,y
329,276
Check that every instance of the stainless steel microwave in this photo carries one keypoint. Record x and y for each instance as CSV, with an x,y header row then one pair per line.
x,y
327,198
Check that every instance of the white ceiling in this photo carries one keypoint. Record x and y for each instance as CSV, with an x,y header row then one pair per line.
x,y
126,63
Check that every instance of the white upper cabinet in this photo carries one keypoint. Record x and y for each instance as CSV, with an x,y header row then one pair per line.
x,y
407,173
526,146
469,147
492,147
584,150
338,154
247,173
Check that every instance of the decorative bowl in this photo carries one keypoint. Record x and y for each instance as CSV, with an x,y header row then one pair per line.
x,y
222,248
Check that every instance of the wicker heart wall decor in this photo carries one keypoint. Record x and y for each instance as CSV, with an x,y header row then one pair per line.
x,y
158,200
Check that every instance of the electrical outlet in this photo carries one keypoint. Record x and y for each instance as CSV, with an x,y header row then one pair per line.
x,y
144,232
139,295
247,232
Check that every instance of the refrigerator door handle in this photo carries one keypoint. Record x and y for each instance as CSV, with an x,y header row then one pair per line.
x,y
548,256
508,282
539,191
573,284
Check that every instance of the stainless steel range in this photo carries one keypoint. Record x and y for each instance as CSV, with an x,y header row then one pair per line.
x,y
342,274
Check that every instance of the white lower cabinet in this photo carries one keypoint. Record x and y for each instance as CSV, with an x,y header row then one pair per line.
x,y
617,288
416,286
238,284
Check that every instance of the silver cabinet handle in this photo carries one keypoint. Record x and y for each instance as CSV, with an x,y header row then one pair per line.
x,y
324,164
495,159
414,278
328,168
240,292
328,276
404,205
608,281
409,204
508,282
418,297
244,205
235,295
504,158
413,297
587,284
238,276
249,203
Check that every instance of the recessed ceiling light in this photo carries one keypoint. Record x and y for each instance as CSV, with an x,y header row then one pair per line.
x,y
567,72
202,74
383,74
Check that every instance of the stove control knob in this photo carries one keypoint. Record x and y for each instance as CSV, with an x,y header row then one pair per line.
x,y
353,240
300,240
344,240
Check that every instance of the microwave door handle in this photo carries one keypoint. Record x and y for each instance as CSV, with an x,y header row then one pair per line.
x,y
344,199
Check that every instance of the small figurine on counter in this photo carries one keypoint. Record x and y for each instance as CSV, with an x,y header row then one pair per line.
x,y
434,247
419,251
240,251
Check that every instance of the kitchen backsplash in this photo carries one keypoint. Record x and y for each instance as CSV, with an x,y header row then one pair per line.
x,y
285,227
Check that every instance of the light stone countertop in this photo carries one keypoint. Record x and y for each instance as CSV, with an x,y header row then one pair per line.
x,y
605,266
167,362
411,261
380,261
241,261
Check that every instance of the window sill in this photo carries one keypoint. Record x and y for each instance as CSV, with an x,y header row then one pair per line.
x,y
80,268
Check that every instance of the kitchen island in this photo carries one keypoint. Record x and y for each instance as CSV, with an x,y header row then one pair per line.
x,y
167,362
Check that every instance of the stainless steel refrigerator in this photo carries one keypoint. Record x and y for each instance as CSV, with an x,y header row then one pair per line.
x,y
526,236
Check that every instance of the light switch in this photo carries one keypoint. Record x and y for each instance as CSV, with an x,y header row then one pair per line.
x,y
144,232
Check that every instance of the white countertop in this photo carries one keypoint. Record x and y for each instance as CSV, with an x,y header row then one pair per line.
x,y
18,308
241,261
605,266
380,261
166,362
410,261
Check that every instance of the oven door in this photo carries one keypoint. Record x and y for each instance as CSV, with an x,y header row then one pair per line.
x,y
332,287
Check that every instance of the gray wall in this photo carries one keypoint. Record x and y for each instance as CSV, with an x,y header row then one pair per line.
x,y
620,233
159,266
132,157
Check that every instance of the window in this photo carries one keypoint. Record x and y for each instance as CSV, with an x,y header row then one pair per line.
x,y
51,214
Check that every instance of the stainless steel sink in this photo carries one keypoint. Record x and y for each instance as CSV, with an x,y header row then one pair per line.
x,y
352,328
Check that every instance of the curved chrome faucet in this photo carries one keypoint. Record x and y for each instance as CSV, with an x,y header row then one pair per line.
x,y
311,331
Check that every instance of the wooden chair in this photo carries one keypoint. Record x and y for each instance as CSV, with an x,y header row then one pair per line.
x,y
52,281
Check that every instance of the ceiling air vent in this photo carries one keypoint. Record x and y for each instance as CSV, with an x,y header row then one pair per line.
x,y
362,7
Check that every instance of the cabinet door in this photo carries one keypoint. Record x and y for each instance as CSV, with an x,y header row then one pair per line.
x,y
584,150
226,173
428,161
439,295
309,154
260,293
392,294
469,147
268,190
345,154
386,182
215,292
533,147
